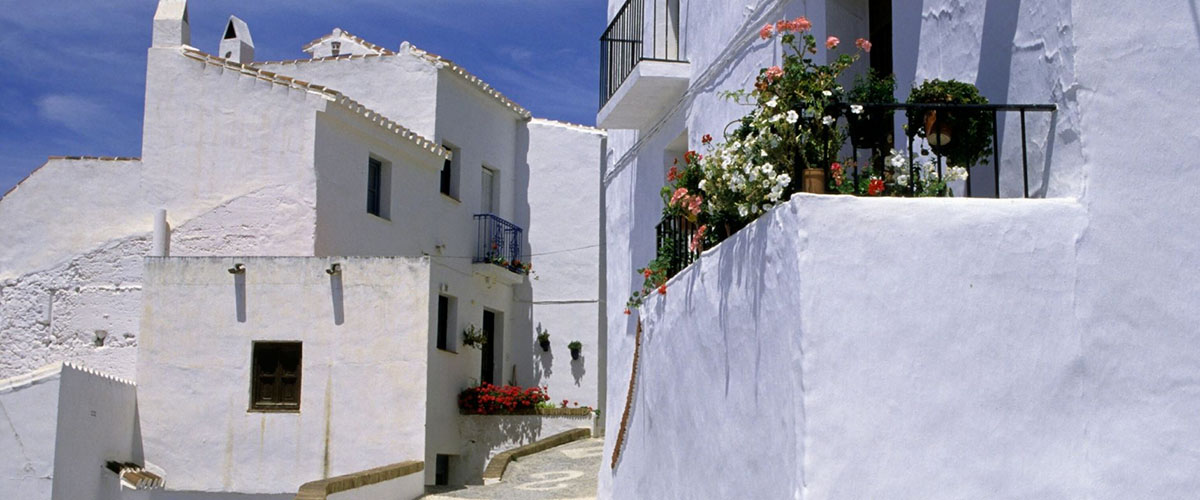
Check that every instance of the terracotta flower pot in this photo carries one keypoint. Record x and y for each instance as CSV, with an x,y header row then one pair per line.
x,y
814,181
937,131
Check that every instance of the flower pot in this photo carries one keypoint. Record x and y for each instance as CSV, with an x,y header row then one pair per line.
x,y
545,345
937,130
575,354
814,181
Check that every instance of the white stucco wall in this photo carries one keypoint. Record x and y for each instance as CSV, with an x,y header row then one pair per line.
x,y
97,422
455,369
1063,370
564,237
376,82
412,201
837,366
363,376
34,215
229,167
1138,299
485,436
29,408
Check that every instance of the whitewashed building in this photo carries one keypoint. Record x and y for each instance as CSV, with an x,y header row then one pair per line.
x,y
287,269
845,348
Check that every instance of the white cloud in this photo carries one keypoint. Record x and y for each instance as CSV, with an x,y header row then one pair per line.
x,y
77,113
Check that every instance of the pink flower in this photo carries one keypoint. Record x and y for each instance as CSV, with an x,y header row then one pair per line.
x,y
679,195
801,24
832,42
863,44
693,204
836,166
673,173
774,72
698,238
765,32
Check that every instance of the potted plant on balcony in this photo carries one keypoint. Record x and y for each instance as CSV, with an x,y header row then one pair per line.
x,y
473,337
963,137
575,346
543,337
871,128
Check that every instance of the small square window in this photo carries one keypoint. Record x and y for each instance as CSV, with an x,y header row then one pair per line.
x,y
275,376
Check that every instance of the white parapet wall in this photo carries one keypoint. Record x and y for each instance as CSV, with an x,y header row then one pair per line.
x,y
485,436
926,350
29,408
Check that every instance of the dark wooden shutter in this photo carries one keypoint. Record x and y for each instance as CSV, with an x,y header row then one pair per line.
x,y
276,376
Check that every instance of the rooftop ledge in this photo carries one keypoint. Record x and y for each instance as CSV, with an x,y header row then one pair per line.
x,y
649,90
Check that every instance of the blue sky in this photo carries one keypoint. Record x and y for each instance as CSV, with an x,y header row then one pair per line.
x,y
72,72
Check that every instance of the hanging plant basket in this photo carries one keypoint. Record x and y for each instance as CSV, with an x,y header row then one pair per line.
x,y
545,344
575,347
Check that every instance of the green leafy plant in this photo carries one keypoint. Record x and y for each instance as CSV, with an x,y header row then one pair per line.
x,y
871,128
473,337
970,132
575,345
543,335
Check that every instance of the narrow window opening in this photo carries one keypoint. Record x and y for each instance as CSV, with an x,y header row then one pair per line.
x,y
379,184
449,173
229,33
487,198
880,18
374,181
275,376
447,310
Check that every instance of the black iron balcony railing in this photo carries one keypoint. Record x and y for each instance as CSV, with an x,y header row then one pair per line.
x,y
623,44
878,121
498,242
672,238
872,127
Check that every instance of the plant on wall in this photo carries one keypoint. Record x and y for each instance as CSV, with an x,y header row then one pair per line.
x,y
576,347
543,337
473,337
791,129
964,137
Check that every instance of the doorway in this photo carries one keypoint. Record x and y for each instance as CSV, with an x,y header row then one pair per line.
x,y
487,369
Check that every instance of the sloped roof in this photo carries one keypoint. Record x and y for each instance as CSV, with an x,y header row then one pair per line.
x,y
442,62
326,92
338,33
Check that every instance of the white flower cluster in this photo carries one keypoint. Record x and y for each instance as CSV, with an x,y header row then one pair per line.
x,y
928,179
743,168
